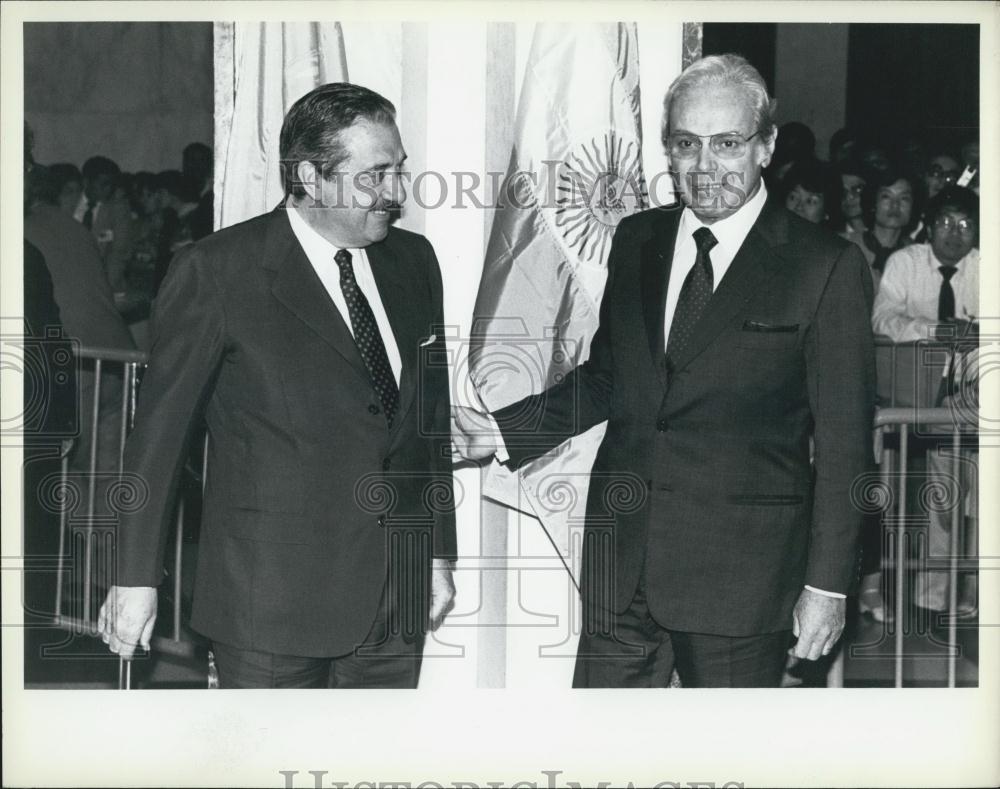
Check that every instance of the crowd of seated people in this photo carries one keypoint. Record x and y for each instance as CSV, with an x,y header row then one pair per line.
x,y
138,221
913,211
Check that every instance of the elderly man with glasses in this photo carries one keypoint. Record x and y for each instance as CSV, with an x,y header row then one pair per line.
x,y
731,332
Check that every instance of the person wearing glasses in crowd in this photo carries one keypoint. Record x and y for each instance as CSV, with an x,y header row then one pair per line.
x,y
942,170
931,292
852,182
720,323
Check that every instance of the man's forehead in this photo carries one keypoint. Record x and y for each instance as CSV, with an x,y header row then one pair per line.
x,y
717,105
954,212
897,187
365,138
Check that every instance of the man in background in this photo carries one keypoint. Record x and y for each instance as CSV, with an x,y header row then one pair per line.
x,y
107,218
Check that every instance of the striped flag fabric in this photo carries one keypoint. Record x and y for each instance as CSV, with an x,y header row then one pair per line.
x,y
575,171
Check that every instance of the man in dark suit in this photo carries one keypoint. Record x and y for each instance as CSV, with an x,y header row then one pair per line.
x,y
107,218
328,498
731,332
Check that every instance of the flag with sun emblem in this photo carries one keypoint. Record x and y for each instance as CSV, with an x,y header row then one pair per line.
x,y
575,171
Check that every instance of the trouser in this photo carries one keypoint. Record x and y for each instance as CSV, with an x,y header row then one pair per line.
x,y
932,584
389,657
632,650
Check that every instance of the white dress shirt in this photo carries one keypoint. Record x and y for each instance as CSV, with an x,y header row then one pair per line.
x,y
321,253
729,232
906,305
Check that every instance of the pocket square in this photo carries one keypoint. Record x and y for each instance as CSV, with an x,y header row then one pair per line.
x,y
428,341
769,327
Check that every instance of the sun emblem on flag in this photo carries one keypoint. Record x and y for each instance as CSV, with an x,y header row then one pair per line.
x,y
598,185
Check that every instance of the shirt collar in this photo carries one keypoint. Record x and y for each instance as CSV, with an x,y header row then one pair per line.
x,y
317,249
963,263
731,231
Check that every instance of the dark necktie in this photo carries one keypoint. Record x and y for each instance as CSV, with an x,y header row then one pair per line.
x,y
946,301
694,295
88,218
368,338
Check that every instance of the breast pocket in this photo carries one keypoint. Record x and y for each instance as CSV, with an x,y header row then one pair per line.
x,y
767,340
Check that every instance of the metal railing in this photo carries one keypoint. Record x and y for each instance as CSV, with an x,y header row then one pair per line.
x,y
104,365
909,373
947,425
894,431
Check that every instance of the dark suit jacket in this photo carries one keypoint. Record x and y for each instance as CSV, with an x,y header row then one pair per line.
x,y
50,410
704,471
85,300
309,494
112,229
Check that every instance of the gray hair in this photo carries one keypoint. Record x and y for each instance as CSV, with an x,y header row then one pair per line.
x,y
728,69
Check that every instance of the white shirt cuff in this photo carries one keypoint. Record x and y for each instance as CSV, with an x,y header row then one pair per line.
x,y
825,593
501,451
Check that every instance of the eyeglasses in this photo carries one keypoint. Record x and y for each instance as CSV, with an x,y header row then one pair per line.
x,y
966,227
854,190
936,171
727,145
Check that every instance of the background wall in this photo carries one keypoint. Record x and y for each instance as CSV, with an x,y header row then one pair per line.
x,y
810,78
888,80
134,92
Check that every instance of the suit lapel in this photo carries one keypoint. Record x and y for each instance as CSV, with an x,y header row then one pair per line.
x,y
655,259
300,290
746,275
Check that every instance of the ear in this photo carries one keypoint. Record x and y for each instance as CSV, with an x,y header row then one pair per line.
x,y
308,176
769,147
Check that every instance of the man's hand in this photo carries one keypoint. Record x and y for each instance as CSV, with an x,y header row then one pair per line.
x,y
473,434
442,592
817,622
127,617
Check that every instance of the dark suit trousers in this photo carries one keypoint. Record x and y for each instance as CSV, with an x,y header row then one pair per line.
x,y
390,657
632,650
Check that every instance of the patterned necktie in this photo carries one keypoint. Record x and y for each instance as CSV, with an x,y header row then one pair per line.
x,y
694,296
368,338
88,218
946,301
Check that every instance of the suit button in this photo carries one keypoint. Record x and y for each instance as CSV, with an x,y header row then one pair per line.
x,y
373,409
386,464
662,425
381,521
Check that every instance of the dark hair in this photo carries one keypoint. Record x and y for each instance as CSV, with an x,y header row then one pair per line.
x,y
880,179
796,142
197,151
40,186
955,198
851,166
840,138
142,181
171,181
813,176
97,166
937,152
62,173
312,127
46,182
